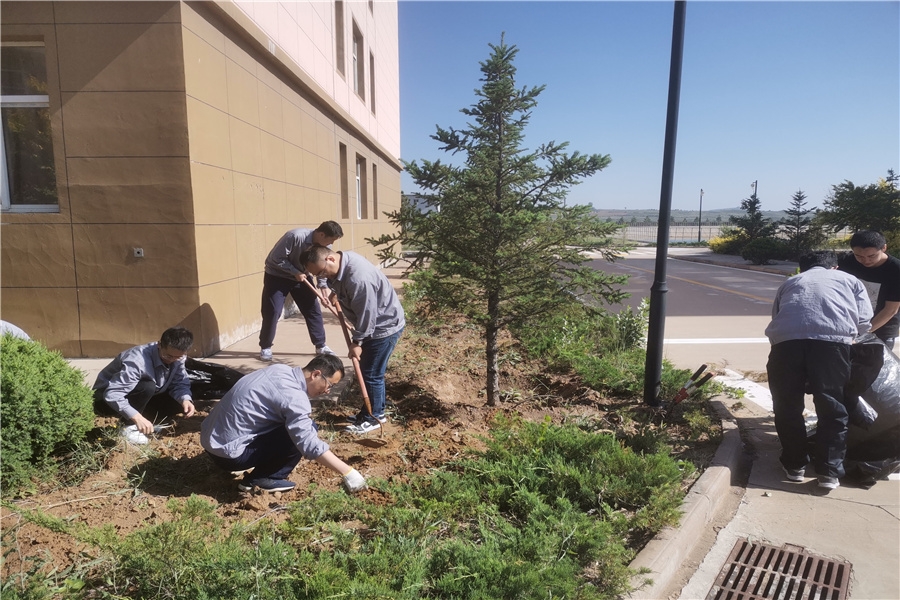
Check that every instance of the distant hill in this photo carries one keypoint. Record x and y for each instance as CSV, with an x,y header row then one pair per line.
x,y
681,215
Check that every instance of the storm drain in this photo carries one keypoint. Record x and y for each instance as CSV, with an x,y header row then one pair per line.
x,y
763,572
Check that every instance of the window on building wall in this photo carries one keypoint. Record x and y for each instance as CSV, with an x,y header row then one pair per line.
x,y
345,192
361,208
374,191
359,64
28,168
372,80
339,35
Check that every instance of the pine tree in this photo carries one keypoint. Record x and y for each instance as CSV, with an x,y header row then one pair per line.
x,y
797,226
753,224
504,248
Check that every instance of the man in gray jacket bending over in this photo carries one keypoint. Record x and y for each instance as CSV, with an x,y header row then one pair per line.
x,y
263,423
815,317
371,305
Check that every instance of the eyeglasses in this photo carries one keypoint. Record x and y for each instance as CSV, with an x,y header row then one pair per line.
x,y
170,357
328,383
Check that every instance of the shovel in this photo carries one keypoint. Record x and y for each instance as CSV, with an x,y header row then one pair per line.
x,y
336,310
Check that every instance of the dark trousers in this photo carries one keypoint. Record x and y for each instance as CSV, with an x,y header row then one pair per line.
x,y
143,398
272,454
825,368
275,290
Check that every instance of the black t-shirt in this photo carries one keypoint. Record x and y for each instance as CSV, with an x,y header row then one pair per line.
x,y
882,283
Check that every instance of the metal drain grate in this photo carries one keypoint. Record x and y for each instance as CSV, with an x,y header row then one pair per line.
x,y
763,572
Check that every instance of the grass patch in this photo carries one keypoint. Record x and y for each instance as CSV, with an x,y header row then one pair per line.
x,y
545,511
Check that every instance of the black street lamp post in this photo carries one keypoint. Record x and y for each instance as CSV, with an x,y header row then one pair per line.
x,y
700,218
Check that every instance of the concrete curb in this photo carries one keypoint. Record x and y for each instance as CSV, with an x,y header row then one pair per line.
x,y
666,552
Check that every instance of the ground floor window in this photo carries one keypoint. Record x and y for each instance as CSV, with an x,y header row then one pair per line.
x,y
27,165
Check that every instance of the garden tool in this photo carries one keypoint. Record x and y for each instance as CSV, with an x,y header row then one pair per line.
x,y
689,387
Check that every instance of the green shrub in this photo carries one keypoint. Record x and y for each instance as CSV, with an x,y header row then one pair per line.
x,y
45,407
730,242
762,251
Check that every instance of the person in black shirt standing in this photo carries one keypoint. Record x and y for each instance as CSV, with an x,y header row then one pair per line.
x,y
880,273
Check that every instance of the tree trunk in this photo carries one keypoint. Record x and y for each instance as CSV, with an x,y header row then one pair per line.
x,y
491,351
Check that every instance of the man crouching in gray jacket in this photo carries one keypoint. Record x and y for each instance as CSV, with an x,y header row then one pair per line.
x,y
263,423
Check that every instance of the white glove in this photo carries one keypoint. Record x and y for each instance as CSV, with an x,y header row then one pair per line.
x,y
354,482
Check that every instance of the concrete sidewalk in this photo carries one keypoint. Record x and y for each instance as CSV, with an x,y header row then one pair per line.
x,y
850,524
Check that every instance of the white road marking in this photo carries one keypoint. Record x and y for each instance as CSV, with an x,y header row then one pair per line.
x,y
752,391
717,341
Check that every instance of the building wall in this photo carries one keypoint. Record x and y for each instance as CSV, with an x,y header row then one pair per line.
x,y
185,130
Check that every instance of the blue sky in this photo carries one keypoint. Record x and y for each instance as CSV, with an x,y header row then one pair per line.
x,y
794,95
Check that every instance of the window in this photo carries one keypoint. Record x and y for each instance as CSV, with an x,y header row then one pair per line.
x,y
372,80
374,191
359,64
345,193
361,208
27,165
339,35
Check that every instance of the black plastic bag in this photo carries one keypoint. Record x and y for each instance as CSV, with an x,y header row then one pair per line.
x,y
875,375
210,381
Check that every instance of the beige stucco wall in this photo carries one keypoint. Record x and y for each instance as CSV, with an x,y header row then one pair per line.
x,y
178,130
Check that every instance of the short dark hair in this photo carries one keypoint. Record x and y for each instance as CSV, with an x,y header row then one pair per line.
x,y
331,229
818,258
867,239
315,255
329,364
178,338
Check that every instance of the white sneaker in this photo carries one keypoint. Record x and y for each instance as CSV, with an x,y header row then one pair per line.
x,y
324,350
364,426
133,436
265,354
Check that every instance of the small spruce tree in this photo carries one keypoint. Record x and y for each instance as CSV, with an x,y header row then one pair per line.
x,y
753,224
496,239
797,226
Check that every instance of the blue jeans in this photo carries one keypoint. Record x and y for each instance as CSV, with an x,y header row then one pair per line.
x,y
271,454
373,364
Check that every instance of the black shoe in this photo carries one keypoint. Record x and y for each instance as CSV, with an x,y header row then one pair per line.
x,y
267,484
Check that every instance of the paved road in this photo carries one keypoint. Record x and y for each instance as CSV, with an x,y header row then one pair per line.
x,y
713,313
697,289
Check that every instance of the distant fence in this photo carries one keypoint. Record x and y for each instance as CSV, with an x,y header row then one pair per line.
x,y
680,233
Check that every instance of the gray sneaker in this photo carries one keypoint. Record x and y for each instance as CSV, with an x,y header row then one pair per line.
x,y
794,474
324,350
267,484
829,483
265,354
